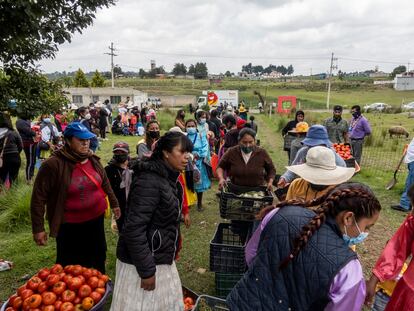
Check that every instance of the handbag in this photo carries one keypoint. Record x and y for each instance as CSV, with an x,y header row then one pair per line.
x,y
107,210
209,169
196,173
2,151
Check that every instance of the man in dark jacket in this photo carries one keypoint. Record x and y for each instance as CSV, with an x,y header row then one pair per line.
x,y
24,127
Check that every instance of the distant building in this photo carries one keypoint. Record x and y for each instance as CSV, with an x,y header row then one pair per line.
x,y
272,75
83,96
379,74
404,82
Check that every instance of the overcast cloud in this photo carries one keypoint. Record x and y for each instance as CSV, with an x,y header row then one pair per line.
x,y
229,33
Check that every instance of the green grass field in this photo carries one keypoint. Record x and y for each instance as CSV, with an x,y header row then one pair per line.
x,y
310,95
16,242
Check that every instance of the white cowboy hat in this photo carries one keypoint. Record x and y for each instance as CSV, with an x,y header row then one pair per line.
x,y
177,129
320,168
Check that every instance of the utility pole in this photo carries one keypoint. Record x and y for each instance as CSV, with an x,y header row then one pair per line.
x,y
329,79
111,48
408,67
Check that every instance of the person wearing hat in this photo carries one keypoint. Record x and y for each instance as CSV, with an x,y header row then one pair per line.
x,y
243,113
71,188
289,137
337,127
316,136
317,176
300,130
120,177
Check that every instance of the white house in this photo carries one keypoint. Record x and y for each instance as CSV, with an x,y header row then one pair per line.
x,y
83,96
404,82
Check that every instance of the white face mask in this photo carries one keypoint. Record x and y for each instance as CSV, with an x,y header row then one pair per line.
x,y
87,116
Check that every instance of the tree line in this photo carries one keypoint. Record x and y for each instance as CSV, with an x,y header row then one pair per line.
x,y
259,69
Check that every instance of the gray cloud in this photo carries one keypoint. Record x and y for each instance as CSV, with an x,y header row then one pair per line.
x,y
302,33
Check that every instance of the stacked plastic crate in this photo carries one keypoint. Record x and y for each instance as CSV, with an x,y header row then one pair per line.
x,y
227,258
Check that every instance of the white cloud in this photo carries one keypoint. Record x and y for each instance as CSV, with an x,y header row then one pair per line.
x,y
302,33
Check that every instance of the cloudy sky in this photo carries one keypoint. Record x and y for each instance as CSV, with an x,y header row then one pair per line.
x,y
229,33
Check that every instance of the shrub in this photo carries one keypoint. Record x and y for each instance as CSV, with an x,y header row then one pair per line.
x,y
369,141
281,123
15,208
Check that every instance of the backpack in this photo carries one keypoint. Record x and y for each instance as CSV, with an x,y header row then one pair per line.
x,y
3,144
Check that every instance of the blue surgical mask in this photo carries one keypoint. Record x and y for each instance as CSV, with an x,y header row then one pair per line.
x,y
46,120
355,240
191,130
203,121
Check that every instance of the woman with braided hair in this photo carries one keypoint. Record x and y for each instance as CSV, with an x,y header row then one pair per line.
x,y
303,259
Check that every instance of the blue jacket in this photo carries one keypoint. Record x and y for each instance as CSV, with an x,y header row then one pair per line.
x,y
304,284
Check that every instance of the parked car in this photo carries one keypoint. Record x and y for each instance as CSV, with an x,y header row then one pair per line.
x,y
408,107
379,107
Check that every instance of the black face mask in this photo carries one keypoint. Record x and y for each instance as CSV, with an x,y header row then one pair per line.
x,y
318,187
356,114
120,158
154,134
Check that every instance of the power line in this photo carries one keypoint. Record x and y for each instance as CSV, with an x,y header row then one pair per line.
x,y
371,60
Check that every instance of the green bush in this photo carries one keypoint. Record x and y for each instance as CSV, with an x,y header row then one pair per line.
x,y
369,141
15,208
281,123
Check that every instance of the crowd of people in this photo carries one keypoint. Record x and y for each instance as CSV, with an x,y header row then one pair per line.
x,y
301,255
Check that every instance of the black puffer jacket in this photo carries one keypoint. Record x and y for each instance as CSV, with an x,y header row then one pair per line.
x,y
151,230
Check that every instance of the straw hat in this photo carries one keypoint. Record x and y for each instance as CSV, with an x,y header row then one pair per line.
x,y
320,168
301,127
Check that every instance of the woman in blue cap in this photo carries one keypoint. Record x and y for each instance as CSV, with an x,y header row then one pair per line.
x,y
71,188
317,136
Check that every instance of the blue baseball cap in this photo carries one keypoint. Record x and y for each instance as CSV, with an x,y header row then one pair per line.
x,y
317,135
78,130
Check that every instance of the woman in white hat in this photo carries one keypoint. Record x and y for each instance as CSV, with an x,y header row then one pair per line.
x,y
318,175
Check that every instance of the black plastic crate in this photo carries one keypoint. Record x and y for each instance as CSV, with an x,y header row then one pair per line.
x,y
235,206
227,247
225,283
205,302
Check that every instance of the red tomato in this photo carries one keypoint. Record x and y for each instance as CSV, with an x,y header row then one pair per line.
x,y
101,283
43,273
100,290
17,303
49,298
68,296
10,309
59,288
58,304
67,278
95,272
12,299
62,275
82,278
77,300
21,289
42,287
96,296
34,282
104,278
67,306
49,308
84,291
93,282
26,293
77,270
188,301
34,301
74,283
52,279
87,303
56,269
87,273
68,269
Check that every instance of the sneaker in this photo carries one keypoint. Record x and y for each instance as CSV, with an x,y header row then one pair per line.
x,y
400,208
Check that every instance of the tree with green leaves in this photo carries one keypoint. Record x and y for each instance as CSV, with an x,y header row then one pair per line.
x,y
31,30
80,79
228,74
191,70
398,70
179,69
97,80
200,71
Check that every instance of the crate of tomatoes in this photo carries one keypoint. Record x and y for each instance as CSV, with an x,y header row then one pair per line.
x,y
72,288
345,152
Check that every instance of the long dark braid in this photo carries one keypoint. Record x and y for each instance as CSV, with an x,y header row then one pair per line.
x,y
355,197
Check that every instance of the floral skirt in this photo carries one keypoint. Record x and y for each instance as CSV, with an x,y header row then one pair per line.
x,y
128,294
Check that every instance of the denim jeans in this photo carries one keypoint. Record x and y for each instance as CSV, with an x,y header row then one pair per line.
x,y
405,201
380,302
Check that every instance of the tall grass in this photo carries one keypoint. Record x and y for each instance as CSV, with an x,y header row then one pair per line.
x,y
15,208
